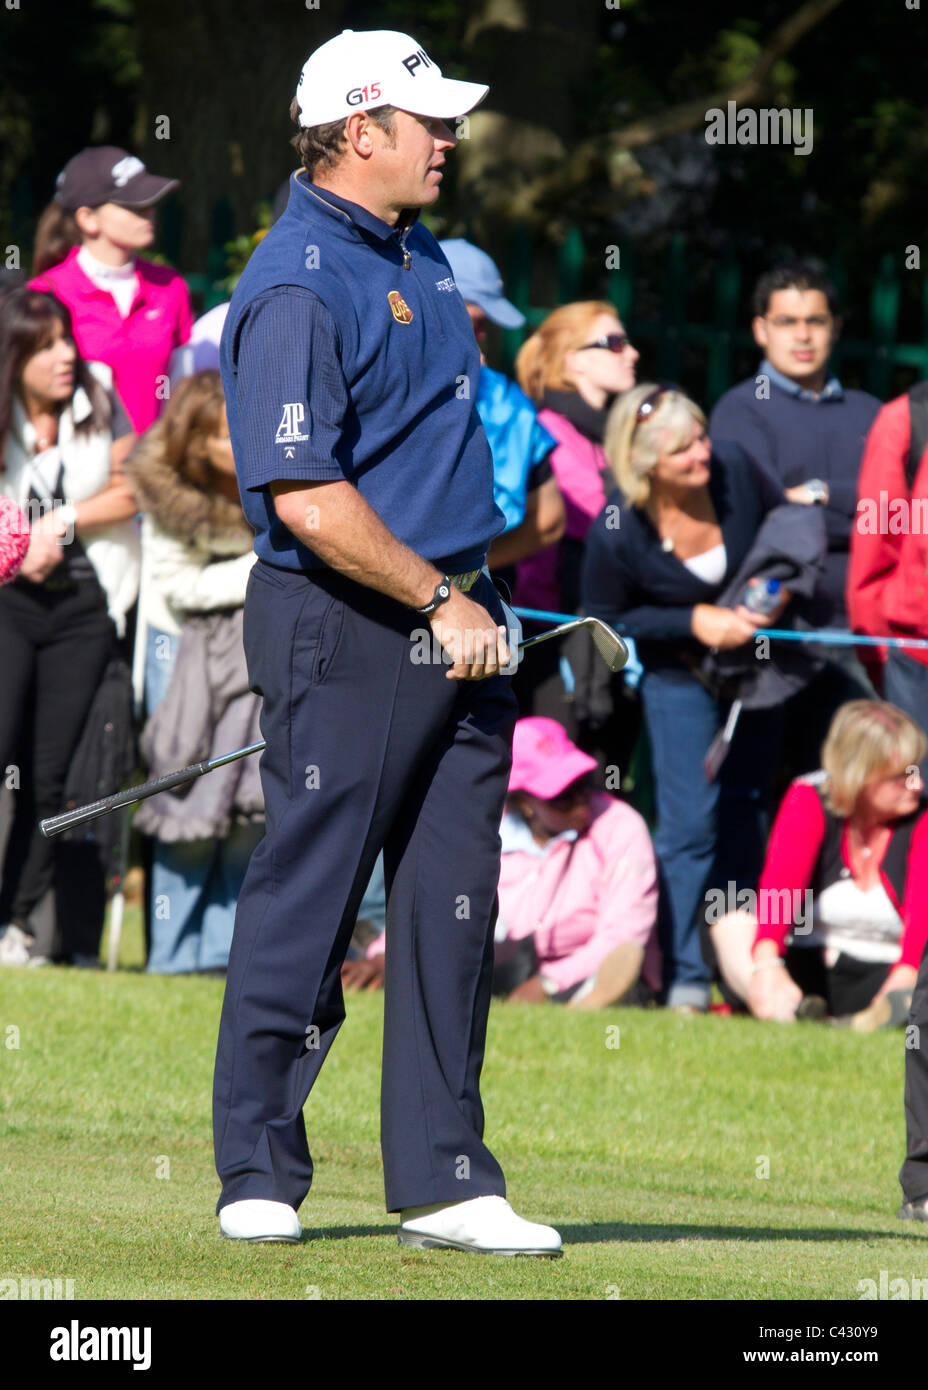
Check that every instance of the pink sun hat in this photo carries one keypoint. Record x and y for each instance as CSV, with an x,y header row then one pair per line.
x,y
544,761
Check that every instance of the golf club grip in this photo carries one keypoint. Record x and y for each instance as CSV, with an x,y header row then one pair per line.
x,y
54,825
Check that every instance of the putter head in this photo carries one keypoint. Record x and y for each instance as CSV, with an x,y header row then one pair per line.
x,y
608,643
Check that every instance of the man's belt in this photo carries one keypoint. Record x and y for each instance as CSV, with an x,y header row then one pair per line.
x,y
464,582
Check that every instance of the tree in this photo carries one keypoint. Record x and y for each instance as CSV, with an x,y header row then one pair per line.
x,y
224,78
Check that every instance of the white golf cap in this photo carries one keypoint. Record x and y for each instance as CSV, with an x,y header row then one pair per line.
x,y
364,68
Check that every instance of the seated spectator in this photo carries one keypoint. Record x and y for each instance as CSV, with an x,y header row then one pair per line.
x,y
794,418
578,886
197,559
851,844
578,881
667,562
886,576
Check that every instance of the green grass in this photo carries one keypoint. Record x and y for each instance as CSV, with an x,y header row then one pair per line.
x,y
645,1156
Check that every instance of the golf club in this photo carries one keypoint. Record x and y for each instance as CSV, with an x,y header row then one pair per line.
x,y
608,643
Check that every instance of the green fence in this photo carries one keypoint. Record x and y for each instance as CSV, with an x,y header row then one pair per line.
x,y
675,344
673,335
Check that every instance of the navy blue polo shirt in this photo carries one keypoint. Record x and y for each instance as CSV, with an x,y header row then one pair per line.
x,y
347,353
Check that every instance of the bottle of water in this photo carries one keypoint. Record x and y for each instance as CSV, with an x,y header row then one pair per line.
x,y
762,595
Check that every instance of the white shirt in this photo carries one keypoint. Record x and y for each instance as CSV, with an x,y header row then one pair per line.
x,y
710,565
849,921
121,281
113,548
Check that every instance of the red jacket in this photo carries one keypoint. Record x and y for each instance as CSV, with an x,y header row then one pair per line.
x,y
887,577
796,842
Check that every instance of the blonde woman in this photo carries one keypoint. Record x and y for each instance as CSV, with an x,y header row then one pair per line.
x,y
679,522
846,876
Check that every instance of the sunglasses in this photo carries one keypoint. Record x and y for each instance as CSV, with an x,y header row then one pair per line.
x,y
613,342
649,404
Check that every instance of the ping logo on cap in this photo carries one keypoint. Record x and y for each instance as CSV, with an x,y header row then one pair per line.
x,y
401,310
126,169
415,60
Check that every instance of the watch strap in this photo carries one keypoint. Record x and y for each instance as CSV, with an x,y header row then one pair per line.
x,y
441,595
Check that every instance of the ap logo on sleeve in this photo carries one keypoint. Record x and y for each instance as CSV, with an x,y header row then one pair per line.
x,y
288,431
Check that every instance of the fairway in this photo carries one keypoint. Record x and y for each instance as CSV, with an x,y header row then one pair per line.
x,y
648,1156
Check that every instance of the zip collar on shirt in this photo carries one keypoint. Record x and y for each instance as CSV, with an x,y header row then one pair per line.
x,y
360,216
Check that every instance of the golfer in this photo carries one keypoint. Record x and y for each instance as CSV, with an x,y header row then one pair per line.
x,y
350,371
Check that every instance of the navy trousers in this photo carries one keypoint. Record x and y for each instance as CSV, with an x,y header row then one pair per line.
x,y
368,748
913,1175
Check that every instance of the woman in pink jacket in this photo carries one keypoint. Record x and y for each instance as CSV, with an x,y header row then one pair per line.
x,y
127,312
572,367
578,881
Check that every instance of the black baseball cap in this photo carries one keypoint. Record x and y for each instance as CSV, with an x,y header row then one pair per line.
x,y
107,174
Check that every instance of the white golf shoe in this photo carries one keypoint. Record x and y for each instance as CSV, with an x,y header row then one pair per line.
x,y
255,1219
14,945
487,1225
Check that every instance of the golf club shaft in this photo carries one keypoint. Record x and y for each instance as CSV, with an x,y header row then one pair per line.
x,y
555,632
54,825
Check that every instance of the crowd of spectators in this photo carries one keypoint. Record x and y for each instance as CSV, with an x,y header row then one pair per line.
x,y
690,535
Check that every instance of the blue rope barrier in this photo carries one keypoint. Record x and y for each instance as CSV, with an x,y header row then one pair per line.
x,y
827,636
837,638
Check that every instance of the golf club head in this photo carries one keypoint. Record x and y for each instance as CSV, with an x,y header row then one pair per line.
x,y
608,643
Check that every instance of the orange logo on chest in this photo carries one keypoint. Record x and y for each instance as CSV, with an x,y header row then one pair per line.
x,y
401,310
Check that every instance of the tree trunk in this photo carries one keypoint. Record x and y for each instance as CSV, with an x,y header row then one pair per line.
x,y
225,86
535,55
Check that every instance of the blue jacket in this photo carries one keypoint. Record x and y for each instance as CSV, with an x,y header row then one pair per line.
x,y
517,440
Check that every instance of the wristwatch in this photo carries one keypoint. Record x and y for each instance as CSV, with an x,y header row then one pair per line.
x,y
818,491
442,592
